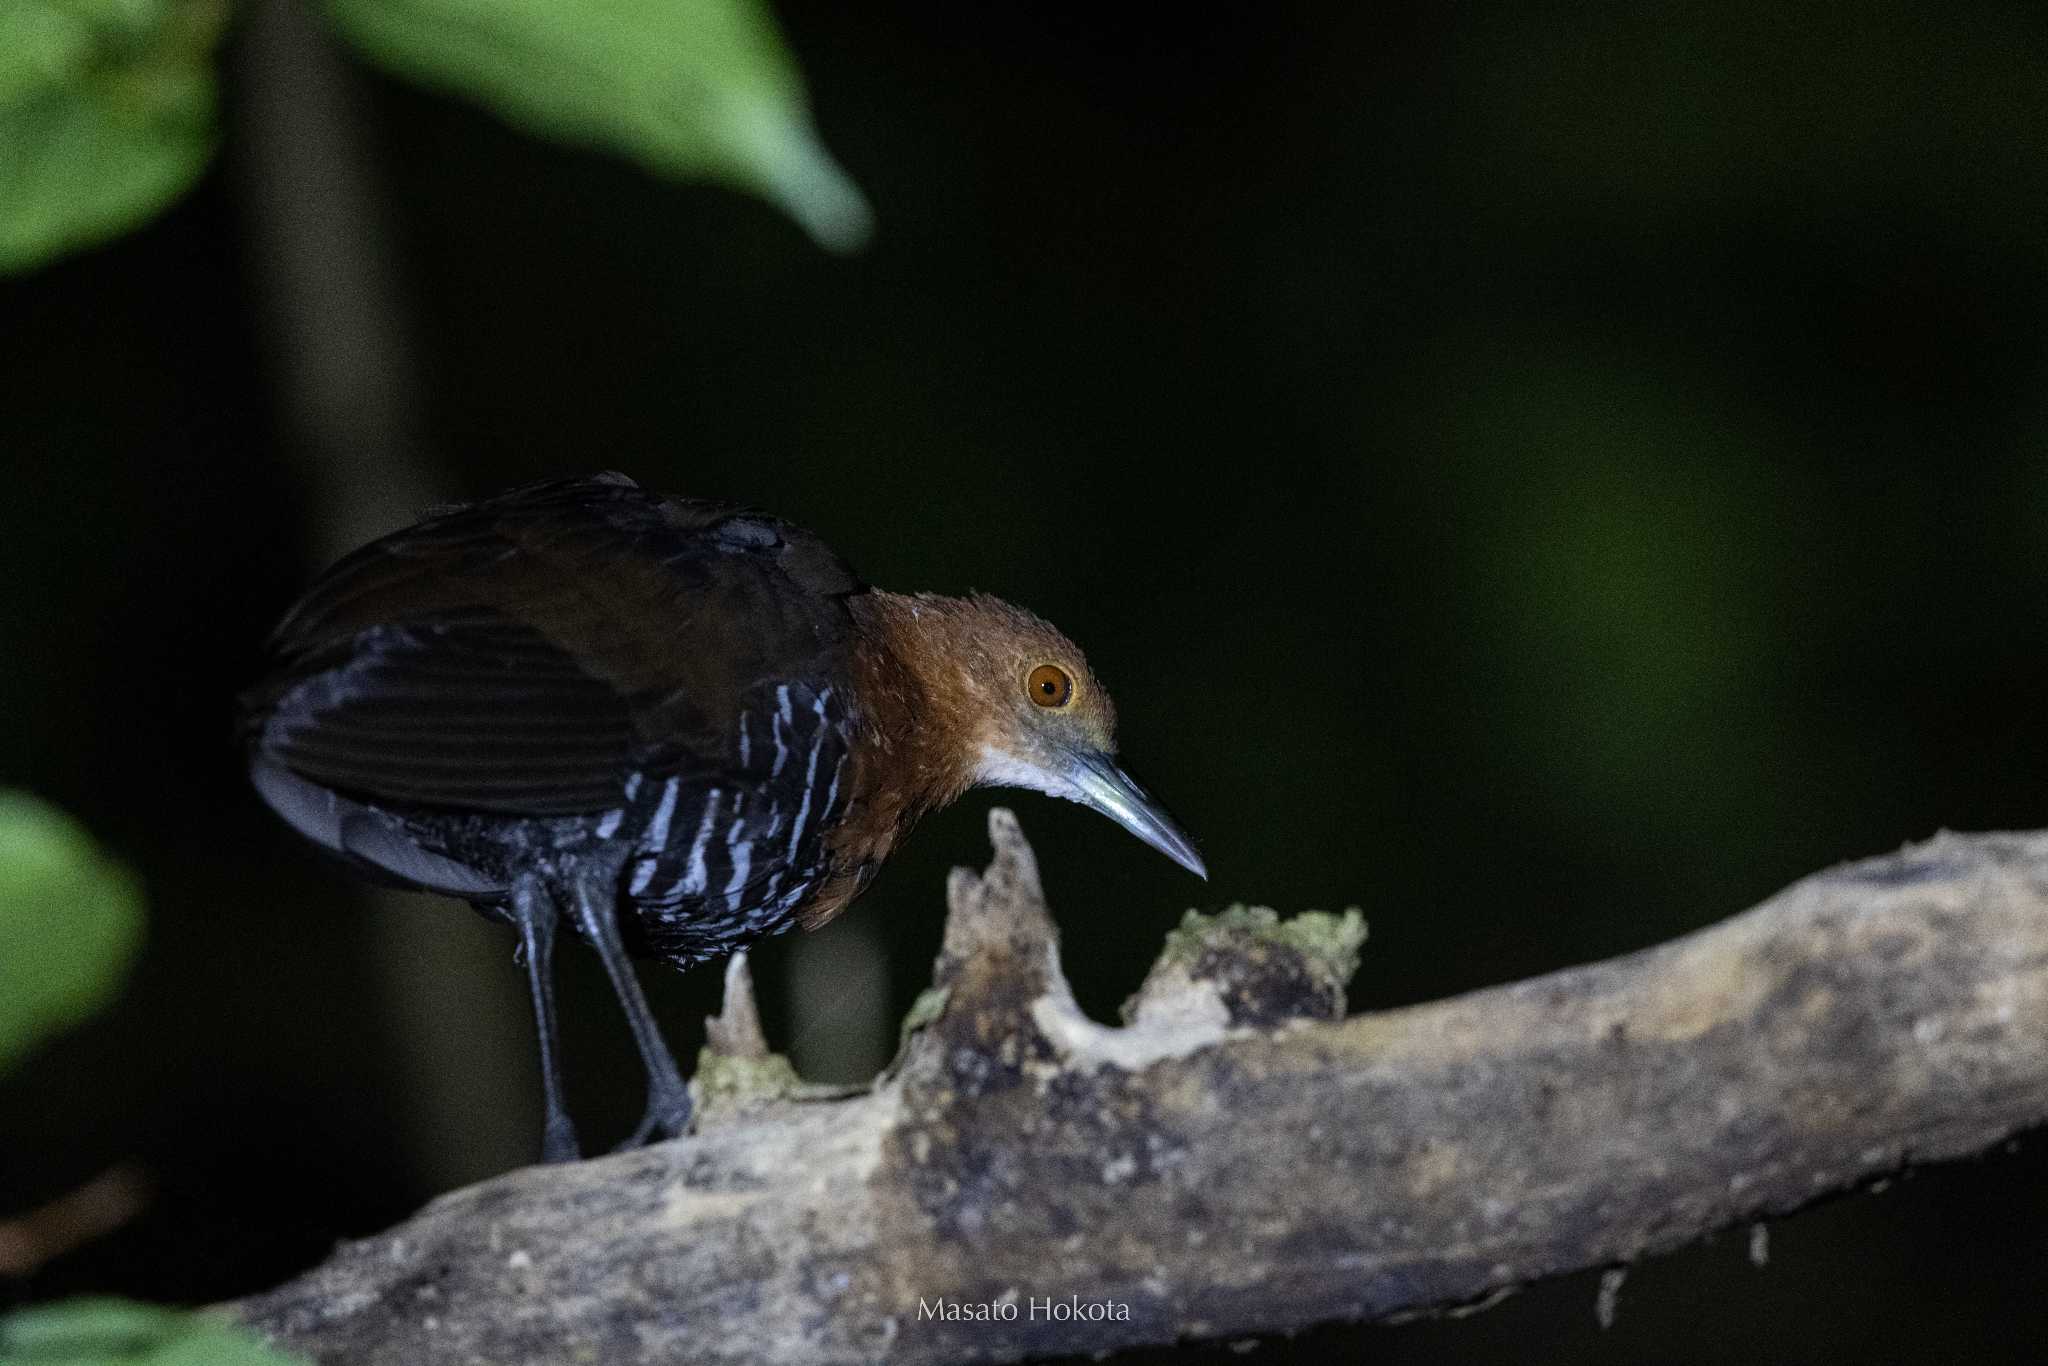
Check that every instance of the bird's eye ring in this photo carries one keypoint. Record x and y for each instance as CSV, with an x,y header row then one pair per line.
x,y
1049,686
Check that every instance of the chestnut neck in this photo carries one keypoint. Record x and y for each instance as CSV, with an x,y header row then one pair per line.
x,y
923,724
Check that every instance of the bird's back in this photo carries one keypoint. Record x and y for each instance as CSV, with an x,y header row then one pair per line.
x,y
575,667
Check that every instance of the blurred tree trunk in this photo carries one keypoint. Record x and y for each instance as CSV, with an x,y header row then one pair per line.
x,y
344,366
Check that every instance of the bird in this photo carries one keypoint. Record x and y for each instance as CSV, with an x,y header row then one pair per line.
x,y
676,724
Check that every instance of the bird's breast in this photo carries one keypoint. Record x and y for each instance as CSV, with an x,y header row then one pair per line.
x,y
716,859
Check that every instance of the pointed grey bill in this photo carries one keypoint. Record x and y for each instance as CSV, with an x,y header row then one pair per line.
x,y
1103,786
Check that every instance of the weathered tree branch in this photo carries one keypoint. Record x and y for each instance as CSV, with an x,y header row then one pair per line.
x,y
1207,1172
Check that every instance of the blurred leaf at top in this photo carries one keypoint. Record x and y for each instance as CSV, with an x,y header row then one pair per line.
x,y
689,88
70,919
105,1332
106,116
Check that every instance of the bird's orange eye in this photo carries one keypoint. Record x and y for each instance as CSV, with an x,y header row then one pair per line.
x,y
1049,686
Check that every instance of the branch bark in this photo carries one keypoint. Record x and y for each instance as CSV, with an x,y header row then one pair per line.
x,y
1208,1172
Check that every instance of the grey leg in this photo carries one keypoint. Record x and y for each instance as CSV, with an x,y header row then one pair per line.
x,y
533,910
668,1099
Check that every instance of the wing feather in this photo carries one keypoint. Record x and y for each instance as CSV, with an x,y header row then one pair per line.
x,y
530,653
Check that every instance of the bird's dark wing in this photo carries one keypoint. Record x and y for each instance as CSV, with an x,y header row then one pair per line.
x,y
530,653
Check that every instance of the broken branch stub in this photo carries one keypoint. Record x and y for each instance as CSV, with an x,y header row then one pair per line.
x,y
735,1031
735,1071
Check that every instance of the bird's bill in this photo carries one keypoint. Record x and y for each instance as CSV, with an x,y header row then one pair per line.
x,y
1101,785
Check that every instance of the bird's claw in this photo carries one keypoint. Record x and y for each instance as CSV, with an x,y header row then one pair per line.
x,y
668,1116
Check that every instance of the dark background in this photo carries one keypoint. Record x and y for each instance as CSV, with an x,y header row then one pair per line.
x,y
1547,475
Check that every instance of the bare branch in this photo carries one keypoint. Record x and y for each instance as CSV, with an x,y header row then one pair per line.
x,y
1205,1172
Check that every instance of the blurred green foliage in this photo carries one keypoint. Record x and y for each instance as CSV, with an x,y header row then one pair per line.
x,y
107,1332
106,116
70,921
1626,597
687,87
107,107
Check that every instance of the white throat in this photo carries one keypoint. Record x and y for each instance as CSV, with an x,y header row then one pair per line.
x,y
1007,770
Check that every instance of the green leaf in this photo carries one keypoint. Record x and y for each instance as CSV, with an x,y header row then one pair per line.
x,y
70,919
107,1332
106,116
689,88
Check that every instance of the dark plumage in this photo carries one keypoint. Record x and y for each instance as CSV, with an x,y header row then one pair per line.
x,y
686,723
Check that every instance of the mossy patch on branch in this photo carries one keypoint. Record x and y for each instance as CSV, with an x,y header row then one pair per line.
x,y
1267,969
727,1085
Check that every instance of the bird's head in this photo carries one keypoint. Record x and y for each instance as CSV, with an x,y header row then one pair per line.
x,y
1024,710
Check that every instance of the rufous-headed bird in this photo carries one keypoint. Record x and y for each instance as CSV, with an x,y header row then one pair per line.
x,y
685,723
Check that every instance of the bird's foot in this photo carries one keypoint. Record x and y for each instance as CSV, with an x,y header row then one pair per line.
x,y
558,1140
668,1116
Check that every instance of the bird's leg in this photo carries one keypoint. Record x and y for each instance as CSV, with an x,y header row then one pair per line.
x,y
668,1099
536,915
